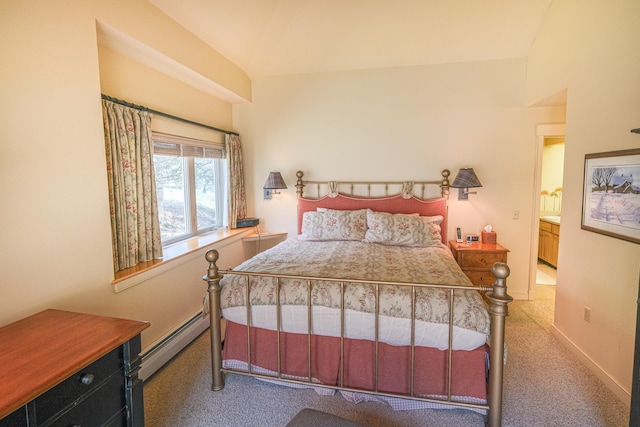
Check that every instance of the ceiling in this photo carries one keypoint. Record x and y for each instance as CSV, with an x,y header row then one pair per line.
x,y
276,37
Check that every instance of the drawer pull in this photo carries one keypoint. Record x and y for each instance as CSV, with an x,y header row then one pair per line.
x,y
483,261
87,379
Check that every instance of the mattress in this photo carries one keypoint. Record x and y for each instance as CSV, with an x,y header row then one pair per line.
x,y
354,260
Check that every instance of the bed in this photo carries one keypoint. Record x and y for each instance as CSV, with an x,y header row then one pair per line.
x,y
359,302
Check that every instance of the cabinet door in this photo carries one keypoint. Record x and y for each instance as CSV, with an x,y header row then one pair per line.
x,y
546,250
540,244
544,247
555,240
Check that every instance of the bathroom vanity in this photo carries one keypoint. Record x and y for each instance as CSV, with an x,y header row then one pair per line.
x,y
548,239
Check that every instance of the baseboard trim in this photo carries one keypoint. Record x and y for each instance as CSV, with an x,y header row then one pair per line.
x,y
612,384
518,295
165,349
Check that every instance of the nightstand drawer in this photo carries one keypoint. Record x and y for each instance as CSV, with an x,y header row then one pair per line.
x,y
480,278
480,260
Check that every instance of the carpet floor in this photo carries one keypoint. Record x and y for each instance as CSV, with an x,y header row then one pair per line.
x,y
544,385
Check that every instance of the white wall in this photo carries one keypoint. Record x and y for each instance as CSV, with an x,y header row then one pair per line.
x,y
402,124
590,48
56,244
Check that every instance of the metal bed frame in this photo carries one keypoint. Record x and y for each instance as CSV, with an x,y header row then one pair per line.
x,y
498,310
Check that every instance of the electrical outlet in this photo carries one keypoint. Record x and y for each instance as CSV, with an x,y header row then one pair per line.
x,y
587,314
516,214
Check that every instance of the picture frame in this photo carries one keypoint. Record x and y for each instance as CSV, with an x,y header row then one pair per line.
x,y
611,194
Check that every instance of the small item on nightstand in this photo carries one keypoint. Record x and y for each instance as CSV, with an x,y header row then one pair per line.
x,y
489,236
472,238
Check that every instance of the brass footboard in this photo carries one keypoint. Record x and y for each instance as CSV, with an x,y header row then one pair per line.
x,y
498,310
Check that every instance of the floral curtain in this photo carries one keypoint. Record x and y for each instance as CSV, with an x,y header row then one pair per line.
x,y
135,223
237,196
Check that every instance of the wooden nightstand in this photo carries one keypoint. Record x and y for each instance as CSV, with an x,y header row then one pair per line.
x,y
476,260
262,241
265,235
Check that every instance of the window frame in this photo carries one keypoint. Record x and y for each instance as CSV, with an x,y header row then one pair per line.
x,y
188,149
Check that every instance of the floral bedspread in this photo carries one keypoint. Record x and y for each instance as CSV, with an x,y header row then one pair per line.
x,y
367,261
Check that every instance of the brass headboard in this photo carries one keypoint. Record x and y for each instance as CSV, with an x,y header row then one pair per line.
x,y
419,189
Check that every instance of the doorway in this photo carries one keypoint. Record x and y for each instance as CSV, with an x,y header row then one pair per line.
x,y
547,215
550,209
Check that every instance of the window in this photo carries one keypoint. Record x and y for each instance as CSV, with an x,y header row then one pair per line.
x,y
191,184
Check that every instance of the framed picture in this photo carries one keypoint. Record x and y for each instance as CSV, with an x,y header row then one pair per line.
x,y
611,197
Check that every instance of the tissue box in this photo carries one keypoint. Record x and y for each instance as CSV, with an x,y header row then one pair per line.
x,y
489,237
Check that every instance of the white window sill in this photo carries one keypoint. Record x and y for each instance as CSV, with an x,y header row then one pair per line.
x,y
173,256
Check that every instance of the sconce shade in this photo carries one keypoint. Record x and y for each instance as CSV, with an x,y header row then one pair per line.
x,y
466,178
275,182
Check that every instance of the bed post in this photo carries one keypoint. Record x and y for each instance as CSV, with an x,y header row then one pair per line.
x,y
499,310
299,184
213,279
444,186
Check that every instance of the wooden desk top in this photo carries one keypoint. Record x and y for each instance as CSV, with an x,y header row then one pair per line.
x,y
40,351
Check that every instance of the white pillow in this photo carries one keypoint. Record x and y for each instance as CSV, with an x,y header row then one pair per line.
x,y
403,229
334,225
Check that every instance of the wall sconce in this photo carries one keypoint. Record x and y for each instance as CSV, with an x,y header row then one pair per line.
x,y
274,182
466,179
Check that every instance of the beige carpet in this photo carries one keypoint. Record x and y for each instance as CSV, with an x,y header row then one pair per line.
x,y
545,385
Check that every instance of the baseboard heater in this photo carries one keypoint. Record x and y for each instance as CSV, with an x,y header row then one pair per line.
x,y
169,346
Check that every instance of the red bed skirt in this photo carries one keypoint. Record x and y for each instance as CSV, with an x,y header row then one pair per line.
x,y
469,373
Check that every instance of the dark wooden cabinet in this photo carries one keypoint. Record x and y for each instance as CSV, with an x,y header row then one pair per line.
x,y
60,368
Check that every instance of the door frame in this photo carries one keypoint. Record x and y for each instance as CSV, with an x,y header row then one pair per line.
x,y
549,130
634,415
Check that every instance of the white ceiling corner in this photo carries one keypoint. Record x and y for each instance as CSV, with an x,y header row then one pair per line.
x,y
128,46
276,37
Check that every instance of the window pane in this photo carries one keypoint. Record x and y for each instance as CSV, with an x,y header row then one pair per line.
x,y
171,196
205,180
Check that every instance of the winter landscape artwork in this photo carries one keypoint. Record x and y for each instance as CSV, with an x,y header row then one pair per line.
x,y
611,198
